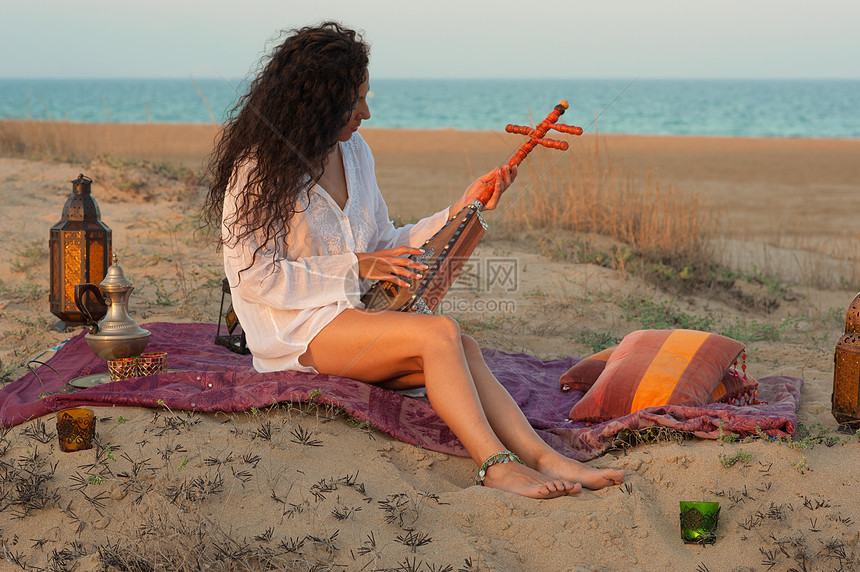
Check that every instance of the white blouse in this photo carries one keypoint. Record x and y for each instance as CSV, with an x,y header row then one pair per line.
x,y
294,290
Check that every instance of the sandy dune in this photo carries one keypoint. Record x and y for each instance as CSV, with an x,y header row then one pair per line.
x,y
191,491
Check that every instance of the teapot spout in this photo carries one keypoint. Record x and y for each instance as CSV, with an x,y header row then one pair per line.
x,y
92,311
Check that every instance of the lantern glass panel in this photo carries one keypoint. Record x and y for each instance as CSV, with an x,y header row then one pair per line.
x,y
234,339
97,258
72,274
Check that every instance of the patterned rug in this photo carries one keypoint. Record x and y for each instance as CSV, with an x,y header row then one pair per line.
x,y
206,377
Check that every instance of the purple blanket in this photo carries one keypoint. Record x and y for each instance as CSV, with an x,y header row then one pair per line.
x,y
211,378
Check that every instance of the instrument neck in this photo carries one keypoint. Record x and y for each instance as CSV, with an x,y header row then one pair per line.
x,y
535,137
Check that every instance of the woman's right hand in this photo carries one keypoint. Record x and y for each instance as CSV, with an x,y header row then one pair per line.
x,y
390,265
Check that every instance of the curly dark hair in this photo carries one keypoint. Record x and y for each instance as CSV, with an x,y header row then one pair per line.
x,y
285,126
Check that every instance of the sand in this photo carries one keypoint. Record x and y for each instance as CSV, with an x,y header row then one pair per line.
x,y
303,488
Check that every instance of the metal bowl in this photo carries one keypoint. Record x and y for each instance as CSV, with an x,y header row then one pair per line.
x,y
116,347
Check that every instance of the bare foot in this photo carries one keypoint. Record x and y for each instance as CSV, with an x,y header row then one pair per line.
x,y
519,479
560,467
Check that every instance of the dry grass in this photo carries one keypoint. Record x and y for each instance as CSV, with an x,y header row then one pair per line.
x,y
37,139
588,193
671,229
60,140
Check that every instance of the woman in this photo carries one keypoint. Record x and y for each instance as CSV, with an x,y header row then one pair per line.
x,y
304,228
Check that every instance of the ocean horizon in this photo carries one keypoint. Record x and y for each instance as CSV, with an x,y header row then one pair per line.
x,y
818,108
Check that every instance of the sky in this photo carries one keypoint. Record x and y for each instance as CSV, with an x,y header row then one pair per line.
x,y
440,38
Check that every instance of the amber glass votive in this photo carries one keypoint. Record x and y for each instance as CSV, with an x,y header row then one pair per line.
x,y
151,363
122,368
76,428
699,522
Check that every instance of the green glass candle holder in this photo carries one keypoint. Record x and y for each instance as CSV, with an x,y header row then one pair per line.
x,y
699,522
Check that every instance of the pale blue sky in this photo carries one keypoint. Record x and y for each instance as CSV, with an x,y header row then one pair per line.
x,y
441,38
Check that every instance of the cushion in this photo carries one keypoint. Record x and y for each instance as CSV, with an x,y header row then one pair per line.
x,y
585,372
734,388
658,367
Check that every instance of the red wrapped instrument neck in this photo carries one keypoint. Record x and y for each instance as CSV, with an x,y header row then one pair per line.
x,y
536,137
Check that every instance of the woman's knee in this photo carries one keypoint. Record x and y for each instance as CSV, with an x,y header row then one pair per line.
x,y
470,346
441,329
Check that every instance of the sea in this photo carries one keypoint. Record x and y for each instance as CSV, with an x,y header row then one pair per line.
x,y
718,107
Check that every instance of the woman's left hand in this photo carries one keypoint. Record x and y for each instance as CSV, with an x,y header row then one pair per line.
x,y
500,178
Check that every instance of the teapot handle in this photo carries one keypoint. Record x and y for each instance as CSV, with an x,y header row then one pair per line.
x,y
80,292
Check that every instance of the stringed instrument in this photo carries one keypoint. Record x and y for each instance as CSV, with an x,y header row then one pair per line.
x,y
447,251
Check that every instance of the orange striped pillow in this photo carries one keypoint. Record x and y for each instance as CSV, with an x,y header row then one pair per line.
x,y
585,372
658,367
734,388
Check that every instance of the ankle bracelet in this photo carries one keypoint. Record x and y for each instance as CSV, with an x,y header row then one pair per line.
x,y
503,457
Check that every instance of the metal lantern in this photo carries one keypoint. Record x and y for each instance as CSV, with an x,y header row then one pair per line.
x,y
80,246
846,370
234,339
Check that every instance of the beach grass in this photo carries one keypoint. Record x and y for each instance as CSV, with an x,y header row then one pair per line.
x,y
590,194
178,145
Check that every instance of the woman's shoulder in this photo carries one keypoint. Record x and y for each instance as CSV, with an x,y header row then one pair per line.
x,y
358,145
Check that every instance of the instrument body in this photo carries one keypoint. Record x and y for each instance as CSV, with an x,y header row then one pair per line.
x,y
449,249
445,253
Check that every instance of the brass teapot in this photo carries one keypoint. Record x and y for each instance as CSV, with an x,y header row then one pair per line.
x,y
116,335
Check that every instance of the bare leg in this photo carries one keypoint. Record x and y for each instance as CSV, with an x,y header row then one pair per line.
x,y
378,346
513,429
